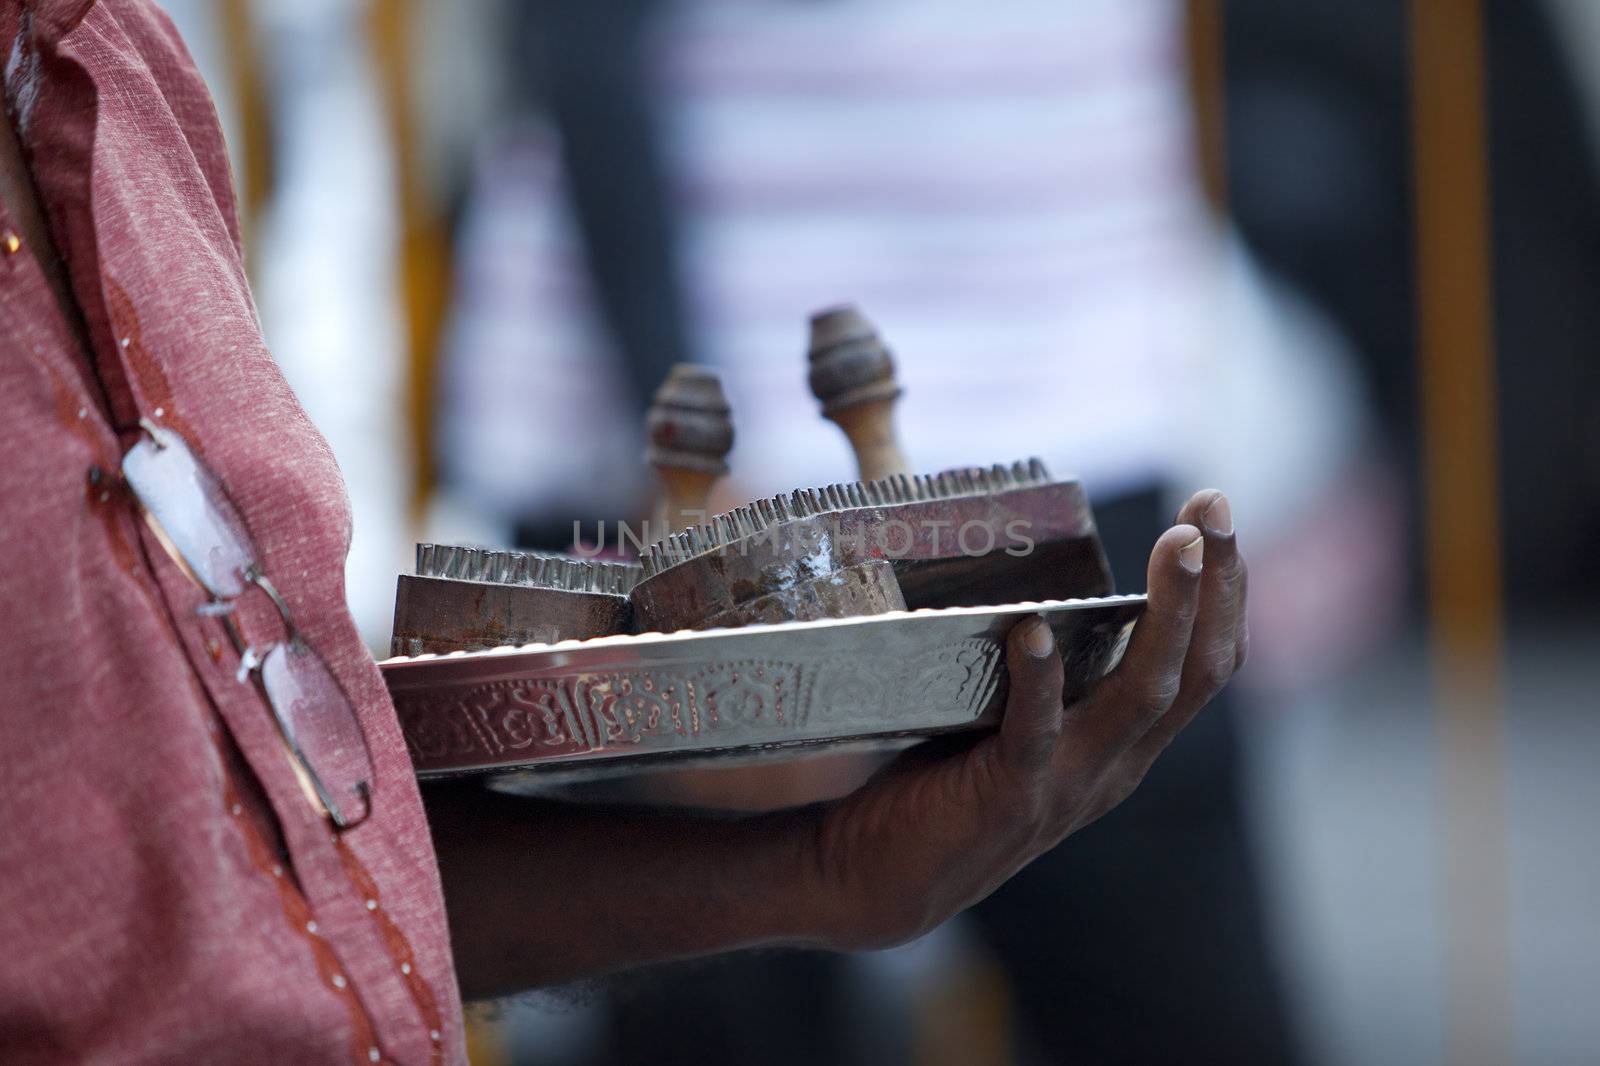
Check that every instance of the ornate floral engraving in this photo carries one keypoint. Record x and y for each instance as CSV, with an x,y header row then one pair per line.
x,y
878,690
960,676
851,687
585,712
735,695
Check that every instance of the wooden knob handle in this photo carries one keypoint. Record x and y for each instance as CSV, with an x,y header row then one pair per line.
x,y
853,376
690,429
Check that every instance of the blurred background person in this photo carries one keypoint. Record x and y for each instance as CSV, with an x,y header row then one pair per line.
x,y
1015,197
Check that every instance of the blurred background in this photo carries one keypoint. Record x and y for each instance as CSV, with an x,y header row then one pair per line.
x,y
1337,258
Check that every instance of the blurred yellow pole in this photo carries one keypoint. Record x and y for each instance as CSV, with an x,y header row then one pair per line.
x,y
424,245
1461,485
243,51
424,273
963,1016
1208,97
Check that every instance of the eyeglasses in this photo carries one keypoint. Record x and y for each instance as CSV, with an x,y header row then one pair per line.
x,y
205,534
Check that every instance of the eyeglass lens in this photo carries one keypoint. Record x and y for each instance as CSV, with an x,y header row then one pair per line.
x,y
193,512
303,693
207,533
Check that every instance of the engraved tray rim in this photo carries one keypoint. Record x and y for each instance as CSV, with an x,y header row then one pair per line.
x,y
443,682
686,636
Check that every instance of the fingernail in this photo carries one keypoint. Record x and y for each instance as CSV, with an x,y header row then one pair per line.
x,y
1038,639
1192,555
1218,518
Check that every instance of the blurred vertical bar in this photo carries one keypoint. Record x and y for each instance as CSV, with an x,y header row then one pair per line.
x,y
243,51
1461,487
1206,55
424,273
425,262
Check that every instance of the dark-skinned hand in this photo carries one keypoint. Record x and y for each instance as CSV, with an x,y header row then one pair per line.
x,y
935,833
541,892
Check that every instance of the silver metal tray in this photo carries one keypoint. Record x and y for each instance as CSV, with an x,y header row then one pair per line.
x,y
621,703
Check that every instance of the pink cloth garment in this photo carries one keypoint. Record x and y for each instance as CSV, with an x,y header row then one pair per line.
x,y
167,894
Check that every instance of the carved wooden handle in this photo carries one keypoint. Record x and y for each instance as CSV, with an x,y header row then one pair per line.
x,y
691,433
853,375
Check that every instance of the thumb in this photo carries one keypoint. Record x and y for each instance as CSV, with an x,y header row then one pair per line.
x,y
1032,722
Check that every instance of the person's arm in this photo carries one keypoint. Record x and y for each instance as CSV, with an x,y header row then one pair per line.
x,y
542,893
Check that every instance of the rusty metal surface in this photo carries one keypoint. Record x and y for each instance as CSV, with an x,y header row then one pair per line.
x,y
1045,542
506,566
960,538
864,588
465,599
615,703
754,520
436,615
802,575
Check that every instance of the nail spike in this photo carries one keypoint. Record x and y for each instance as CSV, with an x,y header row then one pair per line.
x,y
535,569
754,518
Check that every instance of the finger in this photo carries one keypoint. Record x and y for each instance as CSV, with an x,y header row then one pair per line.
x,y
1223,590
1142,687
1199,511
1225,567
1213,513
1214,645
1032,723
